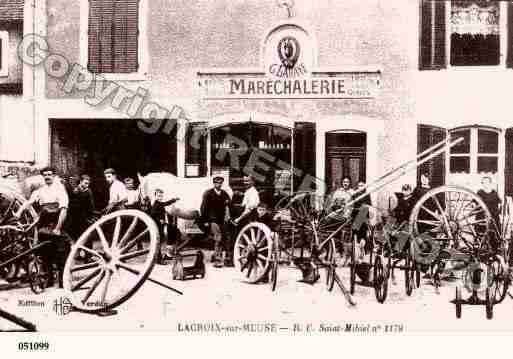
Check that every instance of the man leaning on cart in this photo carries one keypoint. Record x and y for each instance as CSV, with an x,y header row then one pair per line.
x,y
53,201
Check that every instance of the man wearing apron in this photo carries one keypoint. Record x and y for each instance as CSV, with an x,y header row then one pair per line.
x,y
53,202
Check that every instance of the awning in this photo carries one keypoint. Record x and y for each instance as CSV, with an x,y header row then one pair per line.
x,y
11,10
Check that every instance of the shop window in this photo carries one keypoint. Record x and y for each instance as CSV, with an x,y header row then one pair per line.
x,y
196,150
468,31
115,33
242,140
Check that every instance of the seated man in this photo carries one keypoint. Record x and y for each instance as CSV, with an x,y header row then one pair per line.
x,y
53,201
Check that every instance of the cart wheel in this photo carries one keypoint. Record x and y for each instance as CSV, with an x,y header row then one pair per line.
x,y
497,278
12,243
489,304
352,266
409,272
253,251
457,302
10,202
326,257
417,275
452,212
273,272
38,279
380,279
122,248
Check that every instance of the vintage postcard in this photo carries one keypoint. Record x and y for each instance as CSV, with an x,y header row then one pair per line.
x,y
255,167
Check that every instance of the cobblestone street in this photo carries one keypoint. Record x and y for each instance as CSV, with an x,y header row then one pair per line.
x,y
223,303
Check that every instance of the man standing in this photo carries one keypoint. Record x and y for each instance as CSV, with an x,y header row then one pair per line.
x,y
53,200
117,191
133,194
214,213
81,207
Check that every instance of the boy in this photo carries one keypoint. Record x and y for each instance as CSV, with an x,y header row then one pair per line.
x,y
158,213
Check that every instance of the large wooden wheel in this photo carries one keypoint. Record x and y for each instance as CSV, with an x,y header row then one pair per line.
x,y
452,214
318,225
111,260
313,214
253,251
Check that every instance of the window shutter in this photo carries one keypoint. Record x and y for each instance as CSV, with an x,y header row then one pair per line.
x,y
432,35
304,151
106,32
428,136
132,38
119,36
93,32
508,170
509,58
196,151
125,36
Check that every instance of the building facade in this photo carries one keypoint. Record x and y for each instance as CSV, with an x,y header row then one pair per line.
x,y
319,90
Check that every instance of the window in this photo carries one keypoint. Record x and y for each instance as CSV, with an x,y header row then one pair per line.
x,y
4,54
465,33
476,156
113,38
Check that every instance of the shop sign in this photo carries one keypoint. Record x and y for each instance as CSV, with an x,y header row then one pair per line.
x,y
344,85
288,71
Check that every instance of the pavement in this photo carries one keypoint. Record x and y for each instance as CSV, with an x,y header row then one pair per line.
x,y
223,303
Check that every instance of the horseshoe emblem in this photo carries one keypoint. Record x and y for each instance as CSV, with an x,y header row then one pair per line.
x,y
288,51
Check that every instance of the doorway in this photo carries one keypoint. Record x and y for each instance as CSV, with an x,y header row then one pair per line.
x,y
345,157
91,145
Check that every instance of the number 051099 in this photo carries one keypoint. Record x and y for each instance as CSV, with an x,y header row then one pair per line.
x,y
29,346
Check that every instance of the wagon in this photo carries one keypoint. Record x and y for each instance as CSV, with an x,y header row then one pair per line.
x,y
307,228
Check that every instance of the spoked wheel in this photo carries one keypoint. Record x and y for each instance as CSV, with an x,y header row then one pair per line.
x,y
253,251
457,302
380,279
121,249
352,266
452,213
417,274
489,304
12,243
497,279
311,214
409,272
37,275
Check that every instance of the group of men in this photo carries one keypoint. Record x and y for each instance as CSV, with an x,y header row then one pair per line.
x,y
65,213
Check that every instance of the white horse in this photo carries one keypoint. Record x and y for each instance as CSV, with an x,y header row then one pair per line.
x,y
190,197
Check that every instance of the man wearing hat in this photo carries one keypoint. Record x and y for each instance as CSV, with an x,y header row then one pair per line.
x,y
214,213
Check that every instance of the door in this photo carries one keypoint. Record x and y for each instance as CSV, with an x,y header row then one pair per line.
x,y
345,157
